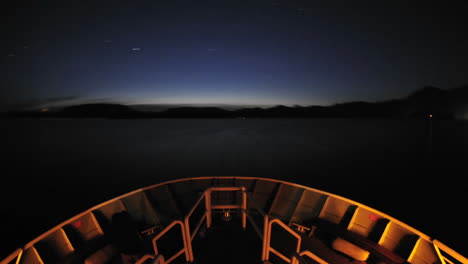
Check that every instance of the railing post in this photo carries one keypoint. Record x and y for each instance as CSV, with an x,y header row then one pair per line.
x,y
188,238
452,253
208,208
266,236
160,259
186,243
16,254
244,208
267,241
161,234
294,259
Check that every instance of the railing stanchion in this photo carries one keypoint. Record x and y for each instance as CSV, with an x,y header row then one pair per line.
x,y
244,208
438,246
265,238
162,233
186,243
208,208
294,260
188,238
268,240
15,254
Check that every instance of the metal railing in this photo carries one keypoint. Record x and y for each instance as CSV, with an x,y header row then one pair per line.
x,y
165,231
15,254
267,238
159,259
252,221
443,250
298,258
189,235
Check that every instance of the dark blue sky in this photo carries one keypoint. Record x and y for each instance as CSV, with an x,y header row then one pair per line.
x,y
245,53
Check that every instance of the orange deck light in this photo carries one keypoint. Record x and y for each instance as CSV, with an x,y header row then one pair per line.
x,y
227,216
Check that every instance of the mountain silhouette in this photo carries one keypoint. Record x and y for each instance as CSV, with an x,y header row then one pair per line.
x,y
422,103
98,110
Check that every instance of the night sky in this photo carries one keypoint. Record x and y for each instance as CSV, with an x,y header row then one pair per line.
x,y
236,53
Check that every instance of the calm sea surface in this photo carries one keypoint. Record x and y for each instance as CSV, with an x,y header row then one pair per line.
x,y
413,170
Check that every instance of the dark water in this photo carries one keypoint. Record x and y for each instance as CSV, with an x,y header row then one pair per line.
x,y
413,170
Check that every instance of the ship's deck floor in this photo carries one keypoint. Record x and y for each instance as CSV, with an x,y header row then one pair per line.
x,y
227,242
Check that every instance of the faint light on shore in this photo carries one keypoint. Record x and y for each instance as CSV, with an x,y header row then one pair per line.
x,y
430,115
44,109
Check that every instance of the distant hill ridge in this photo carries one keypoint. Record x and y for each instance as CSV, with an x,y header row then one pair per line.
x,y
442,104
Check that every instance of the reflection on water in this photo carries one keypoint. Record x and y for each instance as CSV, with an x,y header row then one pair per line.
x,y
57,168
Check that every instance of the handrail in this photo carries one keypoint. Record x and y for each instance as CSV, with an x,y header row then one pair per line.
x,y
196,205
225,189
207,215
144,258
243,206
299,257
188,236
184,239
441,246
159,260
207,195
296,258
15,254
268,240
265,222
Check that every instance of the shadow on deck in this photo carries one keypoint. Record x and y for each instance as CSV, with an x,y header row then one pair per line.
x,y
227,242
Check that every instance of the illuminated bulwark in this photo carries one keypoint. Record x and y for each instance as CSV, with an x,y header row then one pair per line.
x,y
291,221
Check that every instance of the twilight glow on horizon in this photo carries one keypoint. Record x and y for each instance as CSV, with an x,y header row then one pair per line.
x,y
233,53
